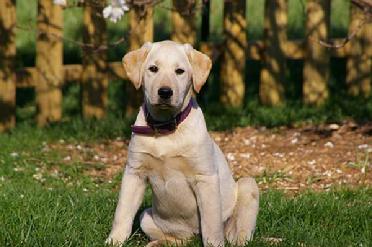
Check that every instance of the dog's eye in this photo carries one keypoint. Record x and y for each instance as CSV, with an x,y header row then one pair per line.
x,y
153,69
179,71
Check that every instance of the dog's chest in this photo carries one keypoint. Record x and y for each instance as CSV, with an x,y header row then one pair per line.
x,y
168,167
166,155
162,146
171,181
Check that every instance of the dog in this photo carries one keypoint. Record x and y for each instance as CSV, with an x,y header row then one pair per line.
x,y
193,189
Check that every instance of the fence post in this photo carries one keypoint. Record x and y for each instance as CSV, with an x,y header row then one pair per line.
x,y
7,64
316,64
141,30
274,68
233,64
94,75
183,21
49,62
359,66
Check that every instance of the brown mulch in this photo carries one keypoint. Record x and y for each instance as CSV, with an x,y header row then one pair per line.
x,y
292,159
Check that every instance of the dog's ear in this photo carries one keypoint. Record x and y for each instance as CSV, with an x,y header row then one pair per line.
x,y
132,62
201,65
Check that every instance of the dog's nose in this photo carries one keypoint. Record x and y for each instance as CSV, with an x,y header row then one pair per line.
x,y
165,92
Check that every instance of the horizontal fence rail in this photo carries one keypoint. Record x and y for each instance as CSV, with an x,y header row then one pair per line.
x,y
50,74
26,77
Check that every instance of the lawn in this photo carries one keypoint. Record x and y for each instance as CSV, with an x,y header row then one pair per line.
x,y
47,199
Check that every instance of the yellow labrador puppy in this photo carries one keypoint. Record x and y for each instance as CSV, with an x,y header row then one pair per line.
x,y
170,148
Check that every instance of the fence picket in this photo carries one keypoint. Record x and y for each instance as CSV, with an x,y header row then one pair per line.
x,y
183,21
49,62
275,37
316,64
7,64
359,64
94,79
141,30
234,58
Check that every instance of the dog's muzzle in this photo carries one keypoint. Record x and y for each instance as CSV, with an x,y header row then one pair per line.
x,y
165,92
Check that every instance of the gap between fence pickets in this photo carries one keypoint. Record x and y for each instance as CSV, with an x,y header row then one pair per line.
x,y
366,7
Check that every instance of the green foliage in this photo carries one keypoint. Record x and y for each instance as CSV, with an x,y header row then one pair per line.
x,y
291,114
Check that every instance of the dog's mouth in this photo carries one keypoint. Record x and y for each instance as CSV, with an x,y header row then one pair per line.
x,y
163,105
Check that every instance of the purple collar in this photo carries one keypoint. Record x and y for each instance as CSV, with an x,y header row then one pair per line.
x,y
161,128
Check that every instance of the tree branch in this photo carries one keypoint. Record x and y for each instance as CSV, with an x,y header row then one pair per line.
x,y
366,7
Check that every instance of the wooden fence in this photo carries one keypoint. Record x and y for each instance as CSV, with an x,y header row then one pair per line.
x,y
49,73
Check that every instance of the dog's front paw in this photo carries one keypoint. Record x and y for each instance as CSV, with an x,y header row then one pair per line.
x,y
116,239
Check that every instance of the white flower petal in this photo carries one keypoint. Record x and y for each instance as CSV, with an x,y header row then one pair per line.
x,y
113,12
115,3
60,2
107,11
125,7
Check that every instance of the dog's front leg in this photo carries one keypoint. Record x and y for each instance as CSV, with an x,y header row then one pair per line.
x,y
208,198
130,198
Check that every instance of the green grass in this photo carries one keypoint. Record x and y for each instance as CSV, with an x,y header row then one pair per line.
x,y
47,202
37,216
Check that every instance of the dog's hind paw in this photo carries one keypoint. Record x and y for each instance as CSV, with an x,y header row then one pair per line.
x,y
115,240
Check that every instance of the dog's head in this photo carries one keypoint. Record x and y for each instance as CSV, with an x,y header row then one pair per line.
x,y
168,72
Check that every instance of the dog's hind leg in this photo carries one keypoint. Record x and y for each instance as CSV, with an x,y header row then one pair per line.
x,y
156,235
239,228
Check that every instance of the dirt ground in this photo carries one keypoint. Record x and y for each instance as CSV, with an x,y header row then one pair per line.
x,y
292,159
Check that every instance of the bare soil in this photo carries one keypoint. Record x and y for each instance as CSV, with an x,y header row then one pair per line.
x,y
292,159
